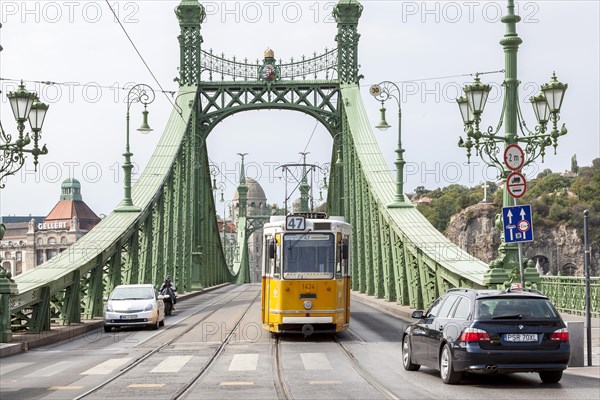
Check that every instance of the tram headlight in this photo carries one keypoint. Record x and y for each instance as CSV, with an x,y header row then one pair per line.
x,y
307,304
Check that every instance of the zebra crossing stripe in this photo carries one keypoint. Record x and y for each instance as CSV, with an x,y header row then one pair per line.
x,y
106,367
171,364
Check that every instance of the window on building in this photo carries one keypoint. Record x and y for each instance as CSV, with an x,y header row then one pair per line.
x,y
51,240
51,253
7,254
63,240
39,241
18,256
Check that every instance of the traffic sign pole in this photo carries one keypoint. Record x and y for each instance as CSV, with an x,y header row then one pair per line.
x,y
521,266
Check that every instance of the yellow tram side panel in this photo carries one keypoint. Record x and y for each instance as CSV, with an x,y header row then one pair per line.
x,y
284,300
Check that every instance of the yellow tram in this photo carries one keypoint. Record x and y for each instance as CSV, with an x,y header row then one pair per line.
x,y
306,274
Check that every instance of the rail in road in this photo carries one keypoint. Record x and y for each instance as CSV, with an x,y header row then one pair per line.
x,y
214,347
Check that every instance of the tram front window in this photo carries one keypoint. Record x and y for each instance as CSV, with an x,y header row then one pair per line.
x,y
308,256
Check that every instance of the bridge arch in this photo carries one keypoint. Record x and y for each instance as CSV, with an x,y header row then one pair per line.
x,y
397,255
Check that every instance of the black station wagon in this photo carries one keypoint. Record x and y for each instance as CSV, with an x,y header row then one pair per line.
x,y
488,332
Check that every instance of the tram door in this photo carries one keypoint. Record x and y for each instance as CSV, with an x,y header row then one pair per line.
x,y
271,275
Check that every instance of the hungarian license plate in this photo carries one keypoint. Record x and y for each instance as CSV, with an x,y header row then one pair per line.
x,y
521,337
130,316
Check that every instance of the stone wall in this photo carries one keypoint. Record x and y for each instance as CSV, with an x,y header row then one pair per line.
x,y
559,249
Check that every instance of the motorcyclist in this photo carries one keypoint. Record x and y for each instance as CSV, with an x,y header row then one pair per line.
x,y
168,287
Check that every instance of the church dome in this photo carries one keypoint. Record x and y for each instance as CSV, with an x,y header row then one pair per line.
x,y
256,193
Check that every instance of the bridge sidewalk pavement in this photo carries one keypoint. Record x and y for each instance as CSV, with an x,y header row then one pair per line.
x,y
593,371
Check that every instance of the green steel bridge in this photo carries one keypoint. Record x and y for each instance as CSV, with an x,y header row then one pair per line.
x,y
397,254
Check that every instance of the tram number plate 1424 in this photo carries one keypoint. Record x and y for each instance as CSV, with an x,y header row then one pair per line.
x,y
521,337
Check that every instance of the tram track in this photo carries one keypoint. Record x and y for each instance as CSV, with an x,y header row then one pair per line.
x,y
282,390
224,300
187,389
364,374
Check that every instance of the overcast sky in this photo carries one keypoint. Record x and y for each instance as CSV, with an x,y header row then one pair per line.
x,y
426,47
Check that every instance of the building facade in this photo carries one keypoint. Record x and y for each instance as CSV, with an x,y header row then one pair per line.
x,y
28,244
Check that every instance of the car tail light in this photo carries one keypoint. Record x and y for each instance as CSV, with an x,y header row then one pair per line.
x,y
561,335
474,335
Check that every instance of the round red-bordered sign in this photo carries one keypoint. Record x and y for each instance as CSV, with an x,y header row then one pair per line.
x,y
514,157
523,225
516,185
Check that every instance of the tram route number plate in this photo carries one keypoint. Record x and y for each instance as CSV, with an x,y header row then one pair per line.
x,y
521,337
295,223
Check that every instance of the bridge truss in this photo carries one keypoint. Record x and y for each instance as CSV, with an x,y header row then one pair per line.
x,y
397,254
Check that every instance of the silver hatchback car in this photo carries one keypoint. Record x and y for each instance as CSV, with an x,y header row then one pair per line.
x,y
134,305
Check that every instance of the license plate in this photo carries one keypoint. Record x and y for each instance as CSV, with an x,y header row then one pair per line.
x,y
521,337
132,316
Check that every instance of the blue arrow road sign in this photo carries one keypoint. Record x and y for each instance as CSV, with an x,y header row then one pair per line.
x,y
517,224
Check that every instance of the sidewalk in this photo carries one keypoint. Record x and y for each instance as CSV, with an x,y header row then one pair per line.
x,y
593,371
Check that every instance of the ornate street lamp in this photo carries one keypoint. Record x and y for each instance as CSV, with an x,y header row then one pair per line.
x,y
546,107
25,106
140,93
383,92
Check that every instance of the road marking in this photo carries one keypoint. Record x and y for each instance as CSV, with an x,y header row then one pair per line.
x,y
12,367
236,383
51,370
146,385
315,361
65,388
244,362
106,367
325,382
171,364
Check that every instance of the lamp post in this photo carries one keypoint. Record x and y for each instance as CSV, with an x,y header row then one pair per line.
x,y
25,106
221,187
383,92
140,93
546,107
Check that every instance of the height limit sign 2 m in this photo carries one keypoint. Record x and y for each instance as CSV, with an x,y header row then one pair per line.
x,y
514,157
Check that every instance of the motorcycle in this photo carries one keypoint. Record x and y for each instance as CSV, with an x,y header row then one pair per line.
x,y
169,297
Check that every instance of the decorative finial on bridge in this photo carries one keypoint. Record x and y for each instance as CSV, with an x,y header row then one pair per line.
x,y
269,72
269,53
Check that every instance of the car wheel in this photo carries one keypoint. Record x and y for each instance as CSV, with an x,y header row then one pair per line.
x,y
406,356
107,328
156,325
447,372
162,322
551,376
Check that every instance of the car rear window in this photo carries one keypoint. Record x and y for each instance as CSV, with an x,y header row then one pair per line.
x,y
517,307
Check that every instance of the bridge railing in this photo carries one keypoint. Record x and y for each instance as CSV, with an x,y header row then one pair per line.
x,y
568,293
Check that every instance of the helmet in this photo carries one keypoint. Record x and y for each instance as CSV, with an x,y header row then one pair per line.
x,y
168,278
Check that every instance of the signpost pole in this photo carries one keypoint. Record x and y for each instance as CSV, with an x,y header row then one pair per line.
x,y
521,267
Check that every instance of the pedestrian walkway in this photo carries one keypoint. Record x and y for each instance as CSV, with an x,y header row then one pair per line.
x,y
593,371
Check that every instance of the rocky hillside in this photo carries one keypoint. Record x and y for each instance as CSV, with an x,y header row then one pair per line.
x,y
558,248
